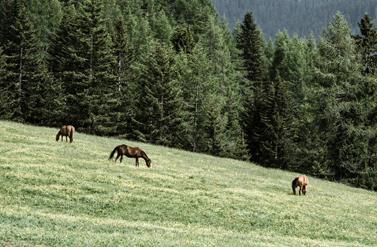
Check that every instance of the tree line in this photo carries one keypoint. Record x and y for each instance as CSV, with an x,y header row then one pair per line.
x,y
171,73
302,17
152,71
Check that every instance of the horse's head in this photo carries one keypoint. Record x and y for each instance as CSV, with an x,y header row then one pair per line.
x,y
149,161
304,189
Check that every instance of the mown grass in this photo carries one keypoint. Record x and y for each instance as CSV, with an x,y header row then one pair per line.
x,y
61,194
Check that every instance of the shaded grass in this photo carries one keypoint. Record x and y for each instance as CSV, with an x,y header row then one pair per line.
x,y
61,194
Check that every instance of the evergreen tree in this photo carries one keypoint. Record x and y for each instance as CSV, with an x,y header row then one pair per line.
x,y
161,25
86,66
192,71
68,63
45,16
35,80
182,39
160,104
225,78
10,41
101,65
340,114
367,44
3,90
250,43
125,89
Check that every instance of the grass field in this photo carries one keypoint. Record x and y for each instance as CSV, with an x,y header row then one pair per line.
x,y
60,194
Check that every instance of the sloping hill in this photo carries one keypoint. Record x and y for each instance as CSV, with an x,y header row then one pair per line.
x,y
61,194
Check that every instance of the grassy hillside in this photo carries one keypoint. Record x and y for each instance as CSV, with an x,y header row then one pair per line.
x,y
61,194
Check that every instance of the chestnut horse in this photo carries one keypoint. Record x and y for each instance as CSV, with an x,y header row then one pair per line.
x,y
67,131
301,181
130,152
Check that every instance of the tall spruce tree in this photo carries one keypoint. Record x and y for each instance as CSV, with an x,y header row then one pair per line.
x,y
182,39
160,105
224,77
69,66
340,114
3,92
193,69
125,90
367,44
10,41
83,59
37,99
250,43
101,68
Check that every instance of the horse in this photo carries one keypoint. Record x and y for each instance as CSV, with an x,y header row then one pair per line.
x,y
67,131
130,152
301,181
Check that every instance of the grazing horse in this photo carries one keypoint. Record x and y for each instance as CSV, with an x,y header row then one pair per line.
x,y
130,152
301,181
67,131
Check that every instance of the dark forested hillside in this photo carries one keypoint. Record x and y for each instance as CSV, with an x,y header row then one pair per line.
x,y
296,16
172,73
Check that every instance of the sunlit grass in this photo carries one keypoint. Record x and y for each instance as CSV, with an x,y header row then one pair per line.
x,y
60,194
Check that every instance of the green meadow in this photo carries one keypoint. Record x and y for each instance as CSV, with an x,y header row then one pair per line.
x,y
61,194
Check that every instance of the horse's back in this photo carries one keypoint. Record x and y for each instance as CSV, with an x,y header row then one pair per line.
x,y
303,180
67,130
134,150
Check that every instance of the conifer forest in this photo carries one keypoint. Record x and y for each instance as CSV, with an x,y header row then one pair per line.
x,y
172,73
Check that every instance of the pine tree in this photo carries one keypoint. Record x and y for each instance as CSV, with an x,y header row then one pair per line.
x,y
160,104
125,89
192,72
162,28
69,67
183,39
225,83
3,92
367,44
34,78
340,113
45,17
101,65
250,43
83,60
10,41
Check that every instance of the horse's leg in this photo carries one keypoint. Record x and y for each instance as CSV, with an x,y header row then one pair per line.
x,y
137,161
299,192
66,138
121,158
118,155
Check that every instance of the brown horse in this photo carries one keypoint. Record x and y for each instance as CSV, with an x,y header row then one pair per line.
x,y
130,152
301,181
67,131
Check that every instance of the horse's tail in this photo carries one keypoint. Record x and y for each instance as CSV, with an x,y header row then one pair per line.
x,y
58,135
71,134
113,152
294,185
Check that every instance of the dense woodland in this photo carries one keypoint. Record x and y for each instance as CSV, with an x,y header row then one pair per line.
x,y
302,17
171,73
